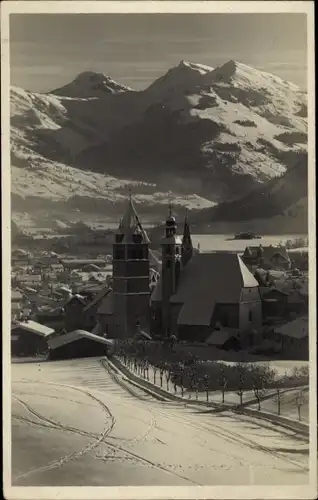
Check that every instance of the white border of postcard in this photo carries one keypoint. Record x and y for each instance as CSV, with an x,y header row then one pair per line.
x,y
156,492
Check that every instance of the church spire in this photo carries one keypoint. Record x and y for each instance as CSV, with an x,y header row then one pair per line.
x,y
187,247
130,224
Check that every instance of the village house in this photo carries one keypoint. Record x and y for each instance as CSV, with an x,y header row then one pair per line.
x,y
289,340
78,343
82,263
274,302
16,304
74,313
198,293
29,338
52,318
268,257
21,258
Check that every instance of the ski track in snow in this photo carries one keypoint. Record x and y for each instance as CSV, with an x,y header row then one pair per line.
x,y
89,378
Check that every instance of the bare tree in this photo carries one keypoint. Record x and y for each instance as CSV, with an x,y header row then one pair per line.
x,y
161,375
259,382
241,380
299,402
278,399
168,376
182,380
223,382
154,374
196,384
206,380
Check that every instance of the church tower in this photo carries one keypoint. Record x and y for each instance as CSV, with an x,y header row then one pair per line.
x,y
187,247
171,268
130,283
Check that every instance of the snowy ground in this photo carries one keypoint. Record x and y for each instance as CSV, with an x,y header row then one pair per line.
x,y
74,424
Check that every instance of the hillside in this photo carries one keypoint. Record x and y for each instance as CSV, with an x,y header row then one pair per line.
x,y
280,196
197,135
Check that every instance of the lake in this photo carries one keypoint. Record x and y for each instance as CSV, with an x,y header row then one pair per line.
x,y
220,242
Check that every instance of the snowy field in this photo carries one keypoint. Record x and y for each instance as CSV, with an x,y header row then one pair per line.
x,y
74,424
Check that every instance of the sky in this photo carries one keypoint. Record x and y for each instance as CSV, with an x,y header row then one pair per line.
x,y
50,50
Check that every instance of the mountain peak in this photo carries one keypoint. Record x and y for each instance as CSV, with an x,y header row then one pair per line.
x,y
201,68
91,84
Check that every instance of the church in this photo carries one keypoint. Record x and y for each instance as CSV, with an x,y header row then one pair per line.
x,y
199,293
194,294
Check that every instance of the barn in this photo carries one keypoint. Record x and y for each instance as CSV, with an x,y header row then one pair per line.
x,y
29,338
79,344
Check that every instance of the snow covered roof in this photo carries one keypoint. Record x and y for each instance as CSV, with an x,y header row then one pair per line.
x,y
34,327
70,337
297,329
81,262
15,306
77,297
16,295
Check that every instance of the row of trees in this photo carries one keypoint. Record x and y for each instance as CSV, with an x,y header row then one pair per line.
x,y
190,379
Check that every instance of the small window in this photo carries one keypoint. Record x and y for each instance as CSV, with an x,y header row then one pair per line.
x,y
250,316
168,264
177,251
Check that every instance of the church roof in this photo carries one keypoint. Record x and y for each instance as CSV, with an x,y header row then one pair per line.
x,y
130,224
209,278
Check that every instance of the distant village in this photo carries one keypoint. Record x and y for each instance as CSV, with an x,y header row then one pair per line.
x,y
67,306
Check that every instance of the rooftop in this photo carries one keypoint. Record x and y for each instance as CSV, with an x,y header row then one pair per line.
x,y
297,329
67,338
34,327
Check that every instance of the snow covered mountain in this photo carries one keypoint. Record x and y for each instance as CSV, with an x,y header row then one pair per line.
x,y
284,196
197,134
90,84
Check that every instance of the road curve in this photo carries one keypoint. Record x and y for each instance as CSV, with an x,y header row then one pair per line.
x,y
76,424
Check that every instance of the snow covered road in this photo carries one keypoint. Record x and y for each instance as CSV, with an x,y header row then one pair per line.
x,y
74,424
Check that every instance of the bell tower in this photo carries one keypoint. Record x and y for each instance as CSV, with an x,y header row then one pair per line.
x,y
130,283
171,268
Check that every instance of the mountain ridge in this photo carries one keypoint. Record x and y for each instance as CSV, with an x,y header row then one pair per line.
x,y
213,134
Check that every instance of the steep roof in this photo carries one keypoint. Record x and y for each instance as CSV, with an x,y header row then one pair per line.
x,y
210,278
67,338
98,297
33,327
130,224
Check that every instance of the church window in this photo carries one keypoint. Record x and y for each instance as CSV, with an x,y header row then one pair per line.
x,y
119,253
